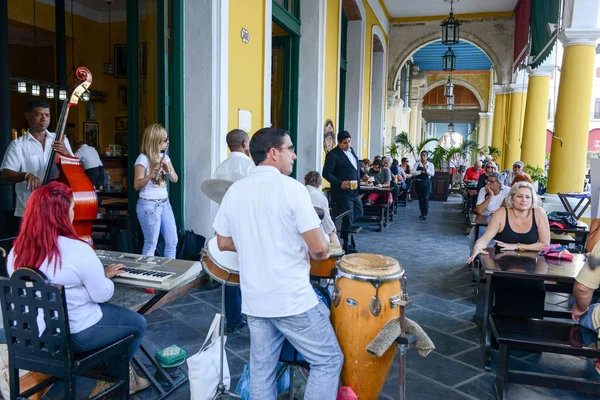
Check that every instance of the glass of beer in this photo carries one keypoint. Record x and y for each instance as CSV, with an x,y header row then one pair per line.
x,y
353,185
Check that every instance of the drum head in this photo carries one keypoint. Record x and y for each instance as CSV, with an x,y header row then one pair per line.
x,y
227,260
335,250
370,265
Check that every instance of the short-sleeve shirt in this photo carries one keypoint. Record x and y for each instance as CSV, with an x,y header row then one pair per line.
x,y
495,202
89,157
381,177
319,200
25,154
155,189
472,175
234,168
591,278
266,214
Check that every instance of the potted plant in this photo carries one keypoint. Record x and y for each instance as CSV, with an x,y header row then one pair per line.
x,y
538,175
393,150
406,147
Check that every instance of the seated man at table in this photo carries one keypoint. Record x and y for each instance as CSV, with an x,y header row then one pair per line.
x,y
594,235
313,182
472,174
489,199
383,179
91,163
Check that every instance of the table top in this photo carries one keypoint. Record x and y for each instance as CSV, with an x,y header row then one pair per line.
x,y
479,220
530,265
375,188
484,220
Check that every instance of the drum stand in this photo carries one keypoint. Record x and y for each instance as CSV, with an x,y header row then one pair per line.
x,y
221,389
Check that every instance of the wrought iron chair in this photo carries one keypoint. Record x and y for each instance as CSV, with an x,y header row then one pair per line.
x,y
34,313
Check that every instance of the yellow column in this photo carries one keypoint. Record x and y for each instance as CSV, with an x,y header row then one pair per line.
x,y
572,120
500,115
533,150
514,129
484,137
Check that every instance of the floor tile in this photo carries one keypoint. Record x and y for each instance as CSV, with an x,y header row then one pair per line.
x,y
440,369
164,334
419,388
446,344
197,315
158,315
437,321
473,335
184,300
439,305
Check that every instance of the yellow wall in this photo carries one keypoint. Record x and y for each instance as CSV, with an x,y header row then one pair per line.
x,y
332,62
246,61
371,21
91,51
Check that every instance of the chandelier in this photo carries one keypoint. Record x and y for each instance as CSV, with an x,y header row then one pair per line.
x,y
450,28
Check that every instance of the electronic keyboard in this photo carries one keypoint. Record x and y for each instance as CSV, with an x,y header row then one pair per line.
x,y
150,271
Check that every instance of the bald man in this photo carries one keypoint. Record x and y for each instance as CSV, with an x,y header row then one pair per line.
x,y
234,168
472,174
238,164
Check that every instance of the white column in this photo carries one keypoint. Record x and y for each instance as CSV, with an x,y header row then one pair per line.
x,y
377,87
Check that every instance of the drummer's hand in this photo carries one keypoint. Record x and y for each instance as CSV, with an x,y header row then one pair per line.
x,y
33,182
577,313
345,185
61,148
113,270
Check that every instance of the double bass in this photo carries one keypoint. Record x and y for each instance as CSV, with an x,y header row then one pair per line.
x,y
68,170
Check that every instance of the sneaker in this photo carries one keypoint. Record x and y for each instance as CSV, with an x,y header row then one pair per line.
x,y
101,386
136,383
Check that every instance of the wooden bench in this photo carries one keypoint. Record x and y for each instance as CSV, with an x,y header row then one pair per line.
x,y
378,213
540,336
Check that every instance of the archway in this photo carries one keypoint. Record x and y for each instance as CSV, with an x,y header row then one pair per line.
x,y
378,69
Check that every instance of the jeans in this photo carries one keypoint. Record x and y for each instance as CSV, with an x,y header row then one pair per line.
x,y
424,191
586,318
156,218
312,335
233,306
116,323
354,204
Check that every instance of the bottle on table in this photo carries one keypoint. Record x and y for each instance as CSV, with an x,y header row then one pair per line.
x,y
106,182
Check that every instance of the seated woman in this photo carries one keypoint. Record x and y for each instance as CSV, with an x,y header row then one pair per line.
x,y
490,167
313,182
520,226
48,243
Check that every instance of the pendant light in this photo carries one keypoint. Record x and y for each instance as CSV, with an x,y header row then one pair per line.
x,y
451,127
62,94
451,28
22,87
449,87
109,67
449,60
35,89
50,92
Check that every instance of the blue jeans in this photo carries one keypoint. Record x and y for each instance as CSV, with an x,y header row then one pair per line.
x,y
156,218
233,306
586,318
312,335
116,323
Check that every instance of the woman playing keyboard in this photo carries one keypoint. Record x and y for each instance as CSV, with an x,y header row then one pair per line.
x,y
48,243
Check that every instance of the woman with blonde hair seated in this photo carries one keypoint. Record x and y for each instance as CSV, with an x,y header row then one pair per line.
x,y
520,226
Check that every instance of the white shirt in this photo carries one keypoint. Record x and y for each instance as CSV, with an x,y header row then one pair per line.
x,y
266,214
319,200
25,154
82,275
430,169
234,168
154,190
351,157
88,156
495,202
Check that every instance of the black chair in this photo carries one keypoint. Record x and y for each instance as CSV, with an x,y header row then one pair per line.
x,y
27,295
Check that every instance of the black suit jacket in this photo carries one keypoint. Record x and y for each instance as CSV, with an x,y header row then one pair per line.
x,y
337,169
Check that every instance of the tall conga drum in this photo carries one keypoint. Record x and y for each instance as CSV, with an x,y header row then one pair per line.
x,y
366,296
324,268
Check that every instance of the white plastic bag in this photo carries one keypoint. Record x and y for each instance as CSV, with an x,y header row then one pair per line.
x,y
204,367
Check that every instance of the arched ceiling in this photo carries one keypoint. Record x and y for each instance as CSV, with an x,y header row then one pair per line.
x,y
468,57
402,9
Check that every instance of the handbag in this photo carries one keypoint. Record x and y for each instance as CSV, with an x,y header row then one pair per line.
x,y
204,367
557,251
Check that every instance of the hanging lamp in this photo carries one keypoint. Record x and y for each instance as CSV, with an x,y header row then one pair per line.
x,y
109,67
449,87
449,60
451,28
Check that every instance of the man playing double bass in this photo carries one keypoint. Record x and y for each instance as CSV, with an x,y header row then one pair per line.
x,y
26,157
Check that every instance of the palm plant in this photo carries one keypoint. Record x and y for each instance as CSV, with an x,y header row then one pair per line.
x,y
438,155
404,144
492,151
537,174
393,150
421,146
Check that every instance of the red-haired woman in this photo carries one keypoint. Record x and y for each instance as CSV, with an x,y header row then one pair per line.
x,y
48,242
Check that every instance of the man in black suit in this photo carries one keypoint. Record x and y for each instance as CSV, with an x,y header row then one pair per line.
x,y
341,167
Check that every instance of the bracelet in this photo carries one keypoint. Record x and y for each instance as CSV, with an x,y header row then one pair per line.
x,y
520,248
26,175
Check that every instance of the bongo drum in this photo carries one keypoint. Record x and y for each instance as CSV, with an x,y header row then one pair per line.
x,y
366,296
222,266
324,268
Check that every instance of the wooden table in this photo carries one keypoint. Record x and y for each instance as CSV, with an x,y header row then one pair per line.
x,y
478,221
584,202
527,265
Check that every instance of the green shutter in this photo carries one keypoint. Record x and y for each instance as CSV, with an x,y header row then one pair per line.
x,y
543,12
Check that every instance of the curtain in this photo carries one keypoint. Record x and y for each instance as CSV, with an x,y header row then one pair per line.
x,y
522,23
543,12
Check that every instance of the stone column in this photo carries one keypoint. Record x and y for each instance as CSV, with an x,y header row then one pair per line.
x,y
514,129
419,128
533,149
571,124
484,137
500,117
414,117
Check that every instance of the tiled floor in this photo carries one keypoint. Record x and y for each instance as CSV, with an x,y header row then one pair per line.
x,y
433,253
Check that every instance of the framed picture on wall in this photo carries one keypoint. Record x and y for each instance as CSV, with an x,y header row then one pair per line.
x,y
91,132
121,60
121,123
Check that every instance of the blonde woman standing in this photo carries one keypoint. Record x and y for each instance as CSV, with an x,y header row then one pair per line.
x,y
152,168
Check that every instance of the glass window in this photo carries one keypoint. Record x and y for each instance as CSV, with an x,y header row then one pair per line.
x,y
597,109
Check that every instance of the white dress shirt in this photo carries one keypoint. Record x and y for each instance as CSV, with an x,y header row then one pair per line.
x,y
319,200
82,275
25,154
351,157
496,202
235,167
430,169
88,156
266,214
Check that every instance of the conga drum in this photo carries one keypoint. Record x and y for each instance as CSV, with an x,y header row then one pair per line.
x,y
324,268
222,266
366,295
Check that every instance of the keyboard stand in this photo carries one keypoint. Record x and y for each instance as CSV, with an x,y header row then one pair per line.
x,y
158,295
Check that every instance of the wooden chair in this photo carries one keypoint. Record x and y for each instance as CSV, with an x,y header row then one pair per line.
x,y
26,297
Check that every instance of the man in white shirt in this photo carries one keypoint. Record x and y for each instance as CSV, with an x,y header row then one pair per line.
x,y
234,168
268,218
26,157
90,161
313,182
238,164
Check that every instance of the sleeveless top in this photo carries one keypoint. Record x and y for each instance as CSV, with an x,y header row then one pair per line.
x,y
509,236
